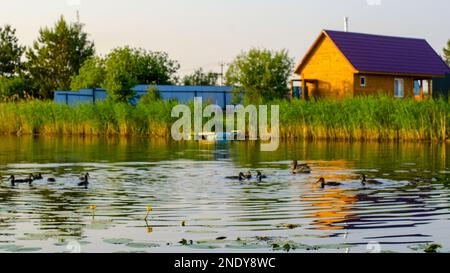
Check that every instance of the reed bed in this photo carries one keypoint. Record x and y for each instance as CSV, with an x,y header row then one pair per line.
x,y
362,118
366,118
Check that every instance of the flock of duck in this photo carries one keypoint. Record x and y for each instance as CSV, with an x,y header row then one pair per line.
x,y
303,168
296,168
83,180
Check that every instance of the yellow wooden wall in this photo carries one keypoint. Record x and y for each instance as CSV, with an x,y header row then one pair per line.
x,y
377,84
334,73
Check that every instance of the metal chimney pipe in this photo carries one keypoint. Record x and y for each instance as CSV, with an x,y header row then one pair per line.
x,y
346,24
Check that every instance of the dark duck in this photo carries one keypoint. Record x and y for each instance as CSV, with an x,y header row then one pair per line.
x,y
324,183
364,181
300,168
260,176
240,177
84,180
15,181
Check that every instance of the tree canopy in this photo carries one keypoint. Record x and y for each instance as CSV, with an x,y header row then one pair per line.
x,y
199,77
10,52
447,53
56,56
123,68
262,73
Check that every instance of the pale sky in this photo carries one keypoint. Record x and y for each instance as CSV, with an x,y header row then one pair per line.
x,y
202,33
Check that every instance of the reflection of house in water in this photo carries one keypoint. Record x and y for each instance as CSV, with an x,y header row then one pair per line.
x,y
332,208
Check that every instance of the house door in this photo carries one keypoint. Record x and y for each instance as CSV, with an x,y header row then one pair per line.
x,y
399,88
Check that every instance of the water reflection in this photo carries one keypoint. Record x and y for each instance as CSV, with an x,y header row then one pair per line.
x,y
185,182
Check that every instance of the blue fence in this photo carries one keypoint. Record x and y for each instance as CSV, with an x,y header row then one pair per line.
x,y
220,95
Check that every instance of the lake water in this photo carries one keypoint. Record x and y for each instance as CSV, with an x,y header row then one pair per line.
x,y
195,209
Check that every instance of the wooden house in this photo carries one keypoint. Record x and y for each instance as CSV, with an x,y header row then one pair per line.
x,y
345,64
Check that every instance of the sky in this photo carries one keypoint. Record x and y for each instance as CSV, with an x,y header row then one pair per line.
x,y
204,33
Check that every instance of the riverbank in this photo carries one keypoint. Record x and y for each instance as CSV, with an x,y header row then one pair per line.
x,y
364,118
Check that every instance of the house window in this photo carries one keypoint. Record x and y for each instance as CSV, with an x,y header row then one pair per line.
x,y
362,81
399,88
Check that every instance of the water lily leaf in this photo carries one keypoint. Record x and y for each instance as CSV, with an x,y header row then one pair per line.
x,y
117,241
19,248
142,245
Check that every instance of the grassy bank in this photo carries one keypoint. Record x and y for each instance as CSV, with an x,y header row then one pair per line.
x,y
362,118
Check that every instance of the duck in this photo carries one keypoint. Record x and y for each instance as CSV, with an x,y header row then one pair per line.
x,y
240,177
51,179
364,181
323,183
15,181
248,175
84,180
38,177
260,176
300,168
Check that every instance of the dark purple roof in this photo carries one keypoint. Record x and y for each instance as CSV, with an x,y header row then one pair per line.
x,y
376,53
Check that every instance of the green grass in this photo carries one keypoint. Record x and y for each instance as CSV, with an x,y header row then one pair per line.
x,y
366,118
362,118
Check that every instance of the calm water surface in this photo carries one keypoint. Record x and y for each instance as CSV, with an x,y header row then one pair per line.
x,y
195,209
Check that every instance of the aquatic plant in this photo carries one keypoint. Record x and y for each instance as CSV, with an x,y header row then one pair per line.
x,y
356,119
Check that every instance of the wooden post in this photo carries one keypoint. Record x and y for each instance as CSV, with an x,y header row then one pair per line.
x,y
304,95
421,90
430,88
292,89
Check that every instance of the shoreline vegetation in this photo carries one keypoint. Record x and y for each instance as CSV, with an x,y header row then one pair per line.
x,y
354,119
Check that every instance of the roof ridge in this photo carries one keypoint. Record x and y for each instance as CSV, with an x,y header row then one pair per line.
x,y
375,35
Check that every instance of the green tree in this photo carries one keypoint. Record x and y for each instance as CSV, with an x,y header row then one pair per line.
x,y
447,53
152,95
91,74
56,56
199,77
10,52
13,87
262,73
126,67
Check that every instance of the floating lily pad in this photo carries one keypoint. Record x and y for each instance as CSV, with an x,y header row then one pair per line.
x,y
19,248
142,245
118,241
252,245
204,246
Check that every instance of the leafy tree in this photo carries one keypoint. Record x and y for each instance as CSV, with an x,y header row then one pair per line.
x,y
12,87
447,53
262,73
91,74
126,67
199,77
56,56
152,95
10,52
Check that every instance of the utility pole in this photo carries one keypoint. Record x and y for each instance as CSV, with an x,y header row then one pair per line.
x,y
222,75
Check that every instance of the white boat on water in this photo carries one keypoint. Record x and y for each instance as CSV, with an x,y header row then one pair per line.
x,y
219,137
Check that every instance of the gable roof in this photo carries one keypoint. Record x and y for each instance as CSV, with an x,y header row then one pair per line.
x,y
385,54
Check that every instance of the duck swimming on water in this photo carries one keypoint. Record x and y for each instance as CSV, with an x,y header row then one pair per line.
x,y
84,180
324,184
300,168
248,175
15,181
240,177
364,181
38,177
260,176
